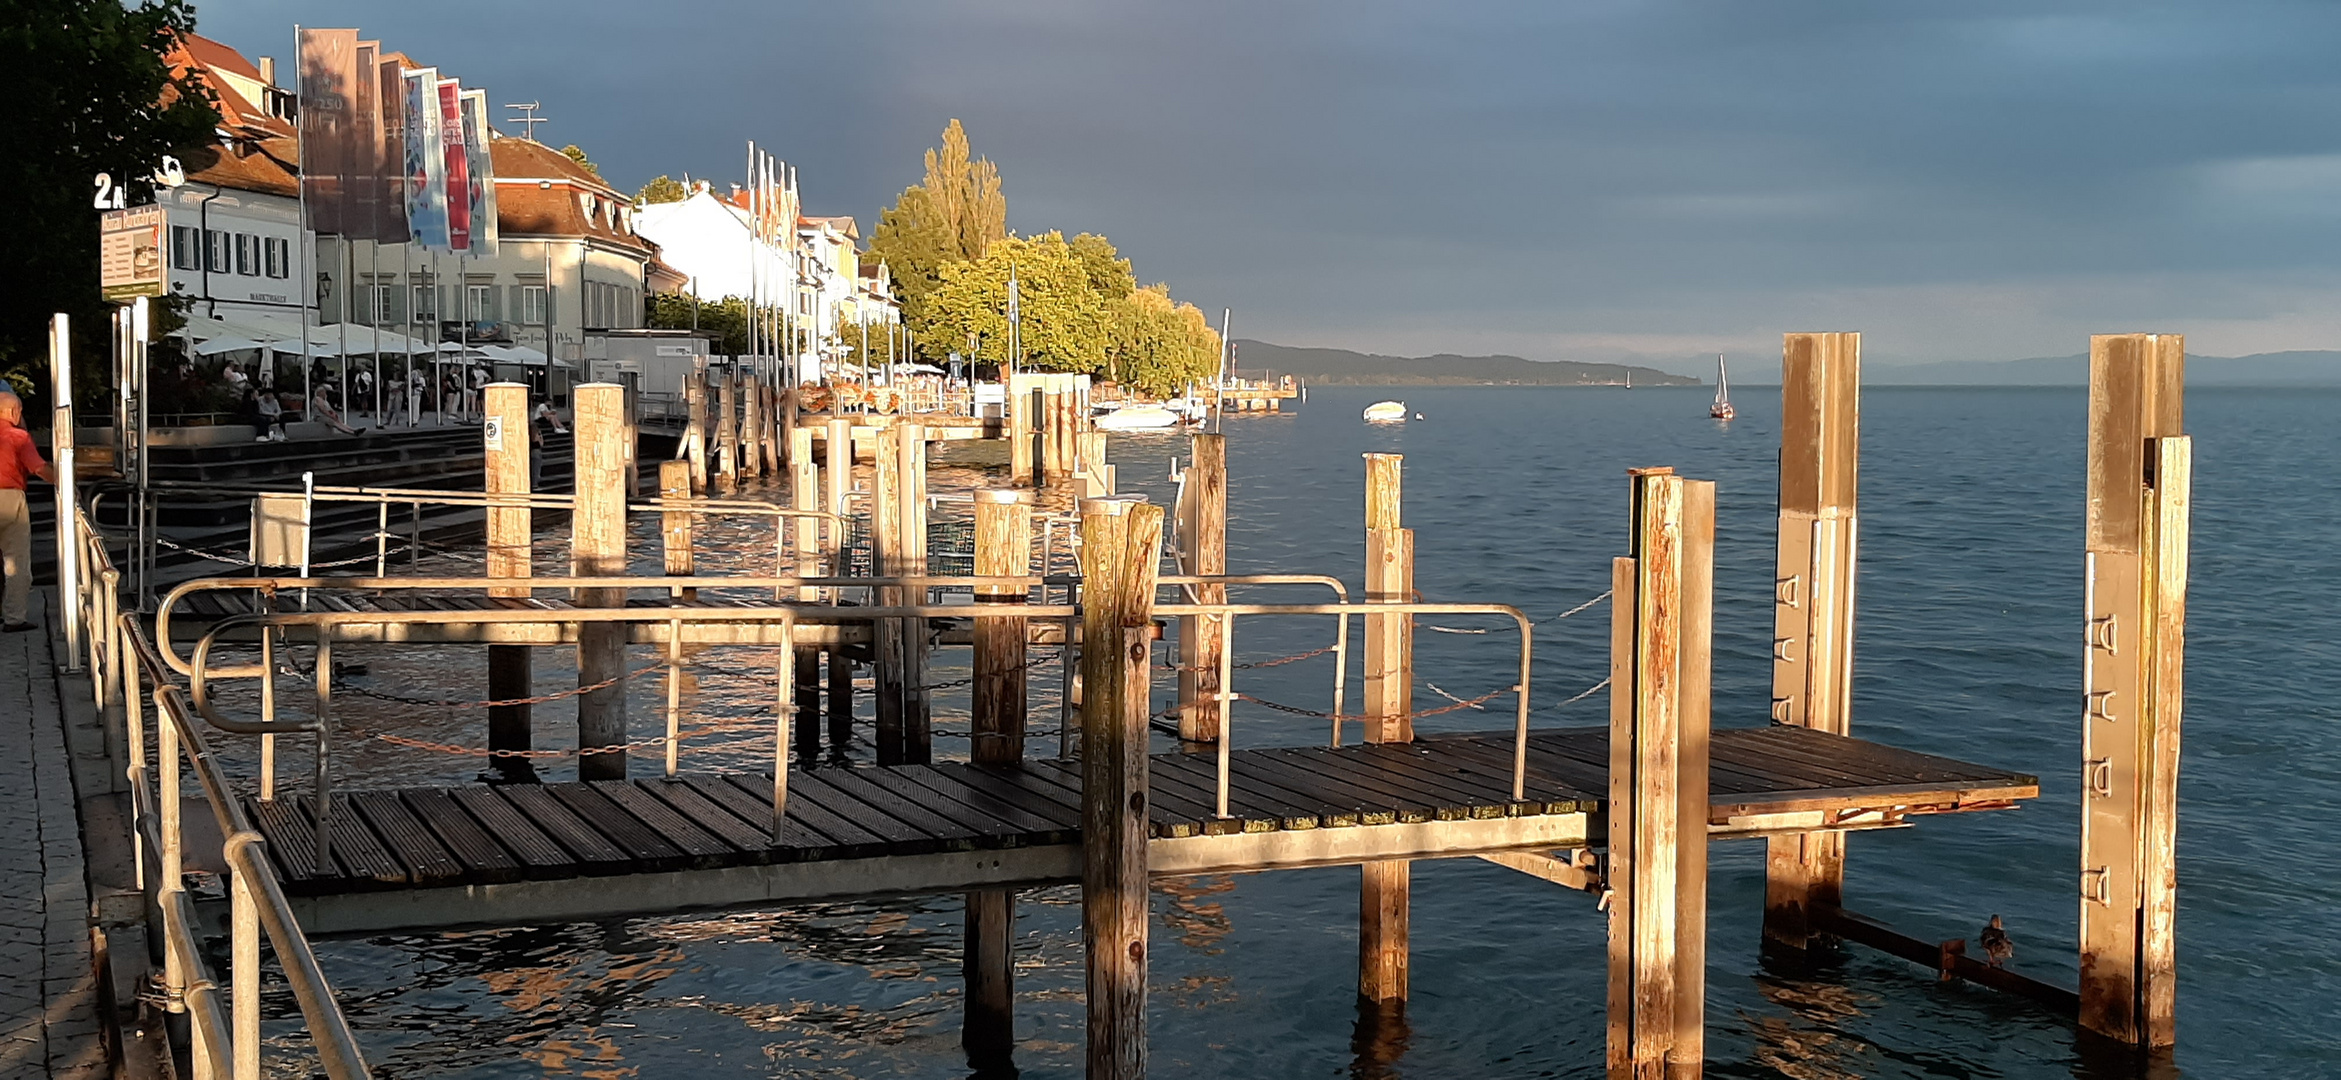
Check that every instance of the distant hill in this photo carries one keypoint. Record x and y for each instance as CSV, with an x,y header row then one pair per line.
x,y
2319,368
1341,367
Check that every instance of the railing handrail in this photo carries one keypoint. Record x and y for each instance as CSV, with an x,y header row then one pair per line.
x,y
226,1046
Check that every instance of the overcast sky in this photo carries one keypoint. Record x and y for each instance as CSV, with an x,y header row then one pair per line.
x,y
1559,180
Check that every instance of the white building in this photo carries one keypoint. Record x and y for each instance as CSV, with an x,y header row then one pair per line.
x,y
233,230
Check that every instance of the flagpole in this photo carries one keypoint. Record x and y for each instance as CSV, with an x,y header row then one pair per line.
x,y
308,242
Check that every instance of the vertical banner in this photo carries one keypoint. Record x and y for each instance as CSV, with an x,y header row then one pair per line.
x,y
456,190
426,164
483,172
328,129
363,212
390,94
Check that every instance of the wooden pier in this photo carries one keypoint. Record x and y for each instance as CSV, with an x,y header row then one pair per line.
x,y
1625,811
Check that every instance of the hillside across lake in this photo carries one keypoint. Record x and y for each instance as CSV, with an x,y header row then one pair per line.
x,y
1341,367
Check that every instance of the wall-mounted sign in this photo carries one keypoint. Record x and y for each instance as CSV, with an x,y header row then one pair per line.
x,y
494,427
130,252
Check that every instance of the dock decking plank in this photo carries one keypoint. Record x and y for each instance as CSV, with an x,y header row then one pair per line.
x,y
510,827
593,851
752,839
958,791
852,781
703,846
484,860
798,829
640,842
427,861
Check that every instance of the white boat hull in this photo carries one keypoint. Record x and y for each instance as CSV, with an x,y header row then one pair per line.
x,y
1386,412
1137,418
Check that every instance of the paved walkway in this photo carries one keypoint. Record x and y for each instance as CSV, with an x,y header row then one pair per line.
x,y
48,988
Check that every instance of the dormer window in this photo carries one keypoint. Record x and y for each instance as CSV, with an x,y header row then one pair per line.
x,y
587,203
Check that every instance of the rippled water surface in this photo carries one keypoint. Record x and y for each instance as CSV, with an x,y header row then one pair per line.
x,y
1967,644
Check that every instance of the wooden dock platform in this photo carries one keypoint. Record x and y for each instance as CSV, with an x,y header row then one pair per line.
x,y
428,857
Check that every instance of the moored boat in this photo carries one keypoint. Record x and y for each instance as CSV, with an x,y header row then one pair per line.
x,y
1137,418
1386,412
1722,409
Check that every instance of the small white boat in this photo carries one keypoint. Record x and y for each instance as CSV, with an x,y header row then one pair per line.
x,y
1722,409
1386,412
1137,418
1193,410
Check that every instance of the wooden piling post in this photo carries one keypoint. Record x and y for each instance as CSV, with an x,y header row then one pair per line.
x,y
674,485
598,549
727,431
1019,407
911,547
887,560
752,441
1659,722
510,677
1202,638
988,965
1385,888
1121,545
804,492
1812,610
2140,476
695,427
1003,548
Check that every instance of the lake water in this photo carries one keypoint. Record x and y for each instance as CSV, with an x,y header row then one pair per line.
x,y
1967,644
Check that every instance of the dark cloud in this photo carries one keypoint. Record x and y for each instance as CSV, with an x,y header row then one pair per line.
x,y
1556,179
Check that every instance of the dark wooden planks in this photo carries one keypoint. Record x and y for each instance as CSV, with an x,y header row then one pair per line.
x,y
427,861
594,853
538,854
484,861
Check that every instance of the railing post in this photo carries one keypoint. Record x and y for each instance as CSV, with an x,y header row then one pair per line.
x,y
1202,638
1121,546
244,974
510,669
598,549
61,455
1657,872
2140,473
1812,611
1385,888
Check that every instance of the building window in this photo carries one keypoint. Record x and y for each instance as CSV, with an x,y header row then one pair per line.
x,y
532,304
217,251
379,311
426,305
478,306
186,247
247,255
277,260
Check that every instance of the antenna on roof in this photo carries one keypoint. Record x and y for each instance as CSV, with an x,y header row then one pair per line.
x,y
528,119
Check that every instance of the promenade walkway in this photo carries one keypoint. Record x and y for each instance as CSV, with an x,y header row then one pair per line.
x,y
48,986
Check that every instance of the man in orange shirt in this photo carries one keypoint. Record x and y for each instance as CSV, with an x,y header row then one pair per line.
x,y
19,458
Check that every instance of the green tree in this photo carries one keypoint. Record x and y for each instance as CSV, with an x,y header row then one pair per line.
x,y
99,97
1108,272
1158,345
574,153
724,321
1063,319
663,189
954,214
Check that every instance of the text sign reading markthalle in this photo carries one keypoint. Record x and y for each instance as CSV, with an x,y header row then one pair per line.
x,y
130,253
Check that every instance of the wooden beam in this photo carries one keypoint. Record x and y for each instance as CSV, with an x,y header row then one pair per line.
x,y
988,967
1003,548
752,430
510,538
1385,889
727,431
1019,407
911,548
1121,547
887,559
598,549
1204,553
1813,592
695,427
674,484
2139,475
1658,793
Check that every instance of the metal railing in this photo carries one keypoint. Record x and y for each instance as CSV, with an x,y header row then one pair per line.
x,y
225,1040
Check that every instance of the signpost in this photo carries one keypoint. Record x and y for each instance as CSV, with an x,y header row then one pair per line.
x,y
130,253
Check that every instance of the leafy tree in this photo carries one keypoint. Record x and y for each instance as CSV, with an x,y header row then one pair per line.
x,y
953,215
99,97
1063,319
725,321
573,153
1108,272
1158,345
663,189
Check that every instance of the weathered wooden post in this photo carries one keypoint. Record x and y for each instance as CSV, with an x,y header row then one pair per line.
x,y
1121,545
727,431
791,415
1003,548
1384,897
911,549
1812,610
695,428
509,671
1203,637
752,440
598,549
1661,630
1020,407
2140,475
1097,477
804,493
837,487
1057,448
674,485
886,559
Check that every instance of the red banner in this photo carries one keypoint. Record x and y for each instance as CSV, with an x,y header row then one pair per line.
x,y
458,165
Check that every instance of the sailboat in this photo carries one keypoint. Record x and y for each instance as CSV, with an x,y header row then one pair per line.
x,y
1722,409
